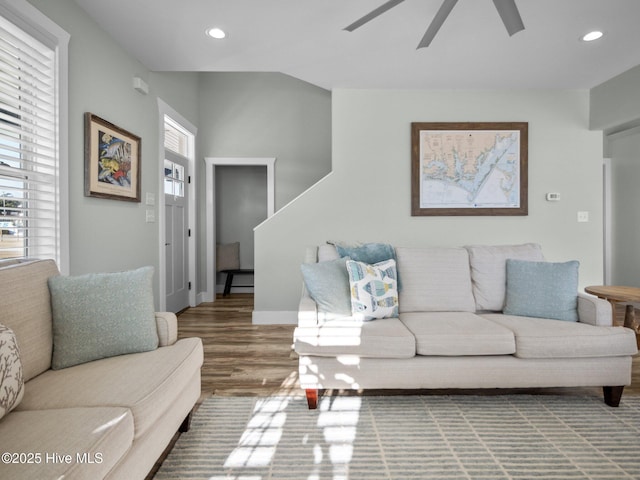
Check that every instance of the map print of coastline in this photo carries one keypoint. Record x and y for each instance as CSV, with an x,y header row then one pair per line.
x,y
470,168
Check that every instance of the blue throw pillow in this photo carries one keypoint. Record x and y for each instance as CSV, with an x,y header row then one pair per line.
x,y
102,315
370,253
328,285
542,289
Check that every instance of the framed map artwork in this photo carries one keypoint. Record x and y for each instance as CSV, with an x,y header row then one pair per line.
x,y
469,168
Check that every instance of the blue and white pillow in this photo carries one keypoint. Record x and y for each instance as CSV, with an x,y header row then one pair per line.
x,y
374,289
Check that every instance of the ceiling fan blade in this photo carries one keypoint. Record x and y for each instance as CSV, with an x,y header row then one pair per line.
x,y
509,15
373,14
436,23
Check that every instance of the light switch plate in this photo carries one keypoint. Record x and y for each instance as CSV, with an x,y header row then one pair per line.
x,y
150,216
150,199
583,216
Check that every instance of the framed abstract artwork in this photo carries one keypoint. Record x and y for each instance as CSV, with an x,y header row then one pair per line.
x,y
111,161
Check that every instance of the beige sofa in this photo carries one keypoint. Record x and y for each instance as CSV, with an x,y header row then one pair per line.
x,y
109,418
451,333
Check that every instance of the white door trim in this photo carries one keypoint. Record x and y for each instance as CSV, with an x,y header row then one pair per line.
x,y
210,207
608,212
165,109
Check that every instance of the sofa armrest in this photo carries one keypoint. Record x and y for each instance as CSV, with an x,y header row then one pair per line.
x,y
594,311
167,325
307,308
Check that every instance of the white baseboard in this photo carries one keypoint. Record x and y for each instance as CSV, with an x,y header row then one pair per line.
x,y
203,297
266,317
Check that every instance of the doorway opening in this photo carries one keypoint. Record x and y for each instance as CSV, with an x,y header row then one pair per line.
x,y
211,208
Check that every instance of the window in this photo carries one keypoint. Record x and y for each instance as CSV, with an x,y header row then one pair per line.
x,y
31,201
179,141
173,179
176,138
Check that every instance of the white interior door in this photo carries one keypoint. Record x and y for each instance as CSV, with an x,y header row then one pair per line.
x,y
177,232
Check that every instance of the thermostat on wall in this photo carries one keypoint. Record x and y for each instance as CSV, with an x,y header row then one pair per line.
x,y
553,197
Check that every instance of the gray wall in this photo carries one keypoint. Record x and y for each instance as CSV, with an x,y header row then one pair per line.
x,y
615,104
625,199
615,108
110,235
367,196
274,115
261,115
243,115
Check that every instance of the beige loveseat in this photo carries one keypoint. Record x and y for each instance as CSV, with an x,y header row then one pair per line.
x,y
451,332
109,418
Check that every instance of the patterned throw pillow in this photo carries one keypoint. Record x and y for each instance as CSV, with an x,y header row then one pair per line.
x,y
374,289
11,381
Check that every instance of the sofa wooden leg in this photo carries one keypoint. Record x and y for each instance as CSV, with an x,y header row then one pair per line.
x,y
312,398
612,395
186,423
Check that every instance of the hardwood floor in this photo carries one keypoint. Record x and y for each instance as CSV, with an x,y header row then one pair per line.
x,y
250,360
242,359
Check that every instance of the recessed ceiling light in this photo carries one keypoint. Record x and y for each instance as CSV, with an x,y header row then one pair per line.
x,y
591,36
216,33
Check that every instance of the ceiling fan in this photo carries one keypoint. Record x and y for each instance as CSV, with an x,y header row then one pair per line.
x,y
506,8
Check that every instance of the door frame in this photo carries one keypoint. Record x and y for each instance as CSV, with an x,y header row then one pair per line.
x,y
210,206
165,109
607,219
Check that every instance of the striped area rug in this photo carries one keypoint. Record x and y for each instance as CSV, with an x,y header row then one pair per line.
x,y
410,437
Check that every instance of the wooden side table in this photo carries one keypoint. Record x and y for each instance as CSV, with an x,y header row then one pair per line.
x,y
619,294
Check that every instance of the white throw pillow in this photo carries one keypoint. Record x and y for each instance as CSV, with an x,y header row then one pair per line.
x,y
11,380
374,289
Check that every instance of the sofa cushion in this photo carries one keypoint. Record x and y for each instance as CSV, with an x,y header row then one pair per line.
x,y
327,252
489,271
434,280
100,315
544,338
458,334
11,380
146,383
374,289
95,438
328,285
26,309
542,289
387,338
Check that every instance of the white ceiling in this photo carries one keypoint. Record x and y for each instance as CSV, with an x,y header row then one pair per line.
x,y
305,39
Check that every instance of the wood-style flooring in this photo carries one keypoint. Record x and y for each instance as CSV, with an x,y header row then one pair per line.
x,y
242,359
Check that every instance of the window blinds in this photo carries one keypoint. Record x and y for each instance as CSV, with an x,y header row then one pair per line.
x,y
176,138
29,163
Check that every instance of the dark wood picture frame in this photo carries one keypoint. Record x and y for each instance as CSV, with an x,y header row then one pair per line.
x,y
449,171
112,159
